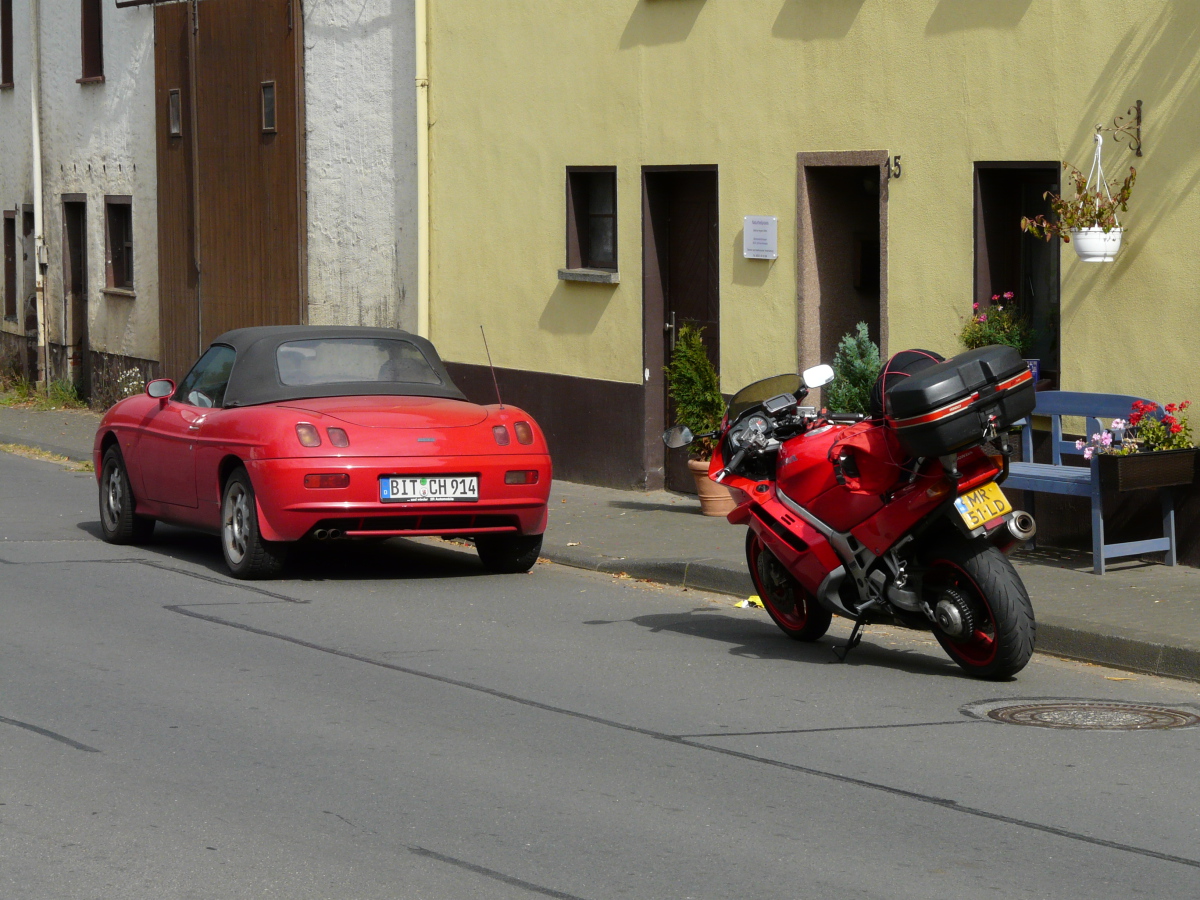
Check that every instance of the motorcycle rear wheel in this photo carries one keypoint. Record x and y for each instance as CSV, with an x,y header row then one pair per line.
x,y
1004,629
795,611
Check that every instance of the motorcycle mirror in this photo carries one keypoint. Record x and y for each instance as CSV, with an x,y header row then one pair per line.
x,y
817,376
679,436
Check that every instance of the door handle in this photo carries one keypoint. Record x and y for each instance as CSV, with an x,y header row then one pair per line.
x,y
669,326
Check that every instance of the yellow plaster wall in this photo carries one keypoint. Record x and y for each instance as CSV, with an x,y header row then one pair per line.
x,y
521,90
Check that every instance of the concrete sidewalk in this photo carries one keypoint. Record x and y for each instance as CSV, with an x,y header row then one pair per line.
x,y
1141,615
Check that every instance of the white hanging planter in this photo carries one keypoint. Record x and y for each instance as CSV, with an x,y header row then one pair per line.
x,y
1094,245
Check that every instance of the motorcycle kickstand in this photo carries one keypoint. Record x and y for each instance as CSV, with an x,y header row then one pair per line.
x,y
855,639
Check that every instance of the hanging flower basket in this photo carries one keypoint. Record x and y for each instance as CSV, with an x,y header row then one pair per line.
x,y
1096,245
1162,468
1089,220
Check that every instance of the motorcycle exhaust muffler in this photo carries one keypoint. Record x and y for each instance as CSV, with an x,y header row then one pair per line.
x,y
1021,526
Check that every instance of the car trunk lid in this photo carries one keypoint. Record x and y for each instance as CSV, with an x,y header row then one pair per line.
x,y
396,412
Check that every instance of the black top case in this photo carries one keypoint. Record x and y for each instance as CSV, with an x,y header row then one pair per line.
x,y
950,406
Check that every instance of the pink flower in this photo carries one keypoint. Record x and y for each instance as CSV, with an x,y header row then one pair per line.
x,y
975,306
995,297
1079,444
1008,295
983,318
1087,454
1106,439
1119,424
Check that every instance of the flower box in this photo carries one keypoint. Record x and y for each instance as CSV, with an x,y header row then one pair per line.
x,y
1159,468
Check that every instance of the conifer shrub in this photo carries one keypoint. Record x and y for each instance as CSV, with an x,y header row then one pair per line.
x,y
695,388
855,366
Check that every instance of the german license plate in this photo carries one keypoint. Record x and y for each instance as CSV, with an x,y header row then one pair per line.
x,y
428,488
982,505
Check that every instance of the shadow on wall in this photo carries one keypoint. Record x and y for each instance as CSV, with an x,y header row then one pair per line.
x,y
750,272
964,15
1155,61
576,307
654,23
811,20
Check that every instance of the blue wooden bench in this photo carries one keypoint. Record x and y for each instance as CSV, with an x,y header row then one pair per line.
x,y
1084,481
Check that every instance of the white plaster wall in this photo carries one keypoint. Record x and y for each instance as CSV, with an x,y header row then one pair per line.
x,y
16,142
360,111
98,140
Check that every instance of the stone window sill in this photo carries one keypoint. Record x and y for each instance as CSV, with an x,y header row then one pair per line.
x,y
595,276
124,293
91,79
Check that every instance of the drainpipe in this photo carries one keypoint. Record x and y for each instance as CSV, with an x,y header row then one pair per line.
x,y
422,67
39,236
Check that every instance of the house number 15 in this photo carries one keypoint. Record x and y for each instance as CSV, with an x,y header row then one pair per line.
x,y
893,166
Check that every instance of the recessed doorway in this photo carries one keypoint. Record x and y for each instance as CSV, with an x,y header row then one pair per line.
x,y
75,294
1008,259
841,241
680,256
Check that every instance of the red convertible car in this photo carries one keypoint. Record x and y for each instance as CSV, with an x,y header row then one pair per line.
x,y
281,434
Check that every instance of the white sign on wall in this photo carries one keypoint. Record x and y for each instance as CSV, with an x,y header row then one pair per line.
x,y
760,238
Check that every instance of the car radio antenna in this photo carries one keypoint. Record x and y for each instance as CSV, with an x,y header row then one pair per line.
x,y
490,366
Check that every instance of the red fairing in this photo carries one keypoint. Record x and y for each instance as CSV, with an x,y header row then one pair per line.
x,y
806,475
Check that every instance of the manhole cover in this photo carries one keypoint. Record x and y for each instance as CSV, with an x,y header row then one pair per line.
x,y
1084,715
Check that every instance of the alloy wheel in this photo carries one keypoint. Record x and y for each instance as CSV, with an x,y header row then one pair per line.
x,y
114,498
235,525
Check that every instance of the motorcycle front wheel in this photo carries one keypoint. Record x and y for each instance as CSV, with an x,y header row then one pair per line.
x,y
795,611
984,617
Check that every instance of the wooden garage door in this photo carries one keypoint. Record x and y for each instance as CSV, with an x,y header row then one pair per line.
x,y
231,239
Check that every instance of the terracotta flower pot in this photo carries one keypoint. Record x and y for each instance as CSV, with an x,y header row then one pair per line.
x,y
715,499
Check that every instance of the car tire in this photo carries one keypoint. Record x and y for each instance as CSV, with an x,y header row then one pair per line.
x,y
508,553
247,555
119,524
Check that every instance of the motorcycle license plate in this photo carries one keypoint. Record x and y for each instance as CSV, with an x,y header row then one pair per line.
x,y
982,505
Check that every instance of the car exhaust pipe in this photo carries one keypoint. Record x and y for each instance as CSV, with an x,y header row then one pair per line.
x,y
1021,526
320,534
336,534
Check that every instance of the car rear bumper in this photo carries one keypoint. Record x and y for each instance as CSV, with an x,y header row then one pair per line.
x,y
289,511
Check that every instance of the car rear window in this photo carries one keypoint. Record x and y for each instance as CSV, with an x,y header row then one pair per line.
x,y
353,360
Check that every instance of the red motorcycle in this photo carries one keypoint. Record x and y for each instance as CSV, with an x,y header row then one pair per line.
x,y
894,518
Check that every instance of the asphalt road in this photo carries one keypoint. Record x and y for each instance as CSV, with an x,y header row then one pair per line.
x,y
389,721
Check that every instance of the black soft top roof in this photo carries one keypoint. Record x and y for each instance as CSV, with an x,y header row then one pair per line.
x,y
255,375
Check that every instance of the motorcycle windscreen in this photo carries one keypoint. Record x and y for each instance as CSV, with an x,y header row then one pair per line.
x,y
754,394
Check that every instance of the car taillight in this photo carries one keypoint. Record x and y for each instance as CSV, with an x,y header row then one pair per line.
x,y
521,476
500,433
308,435
333,480
338,437
523,432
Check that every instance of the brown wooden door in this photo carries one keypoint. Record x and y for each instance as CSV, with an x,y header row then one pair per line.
x,y
231,173
683,231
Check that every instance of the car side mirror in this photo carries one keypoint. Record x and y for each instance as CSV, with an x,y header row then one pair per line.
x,y
160,388
679,436
818,376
